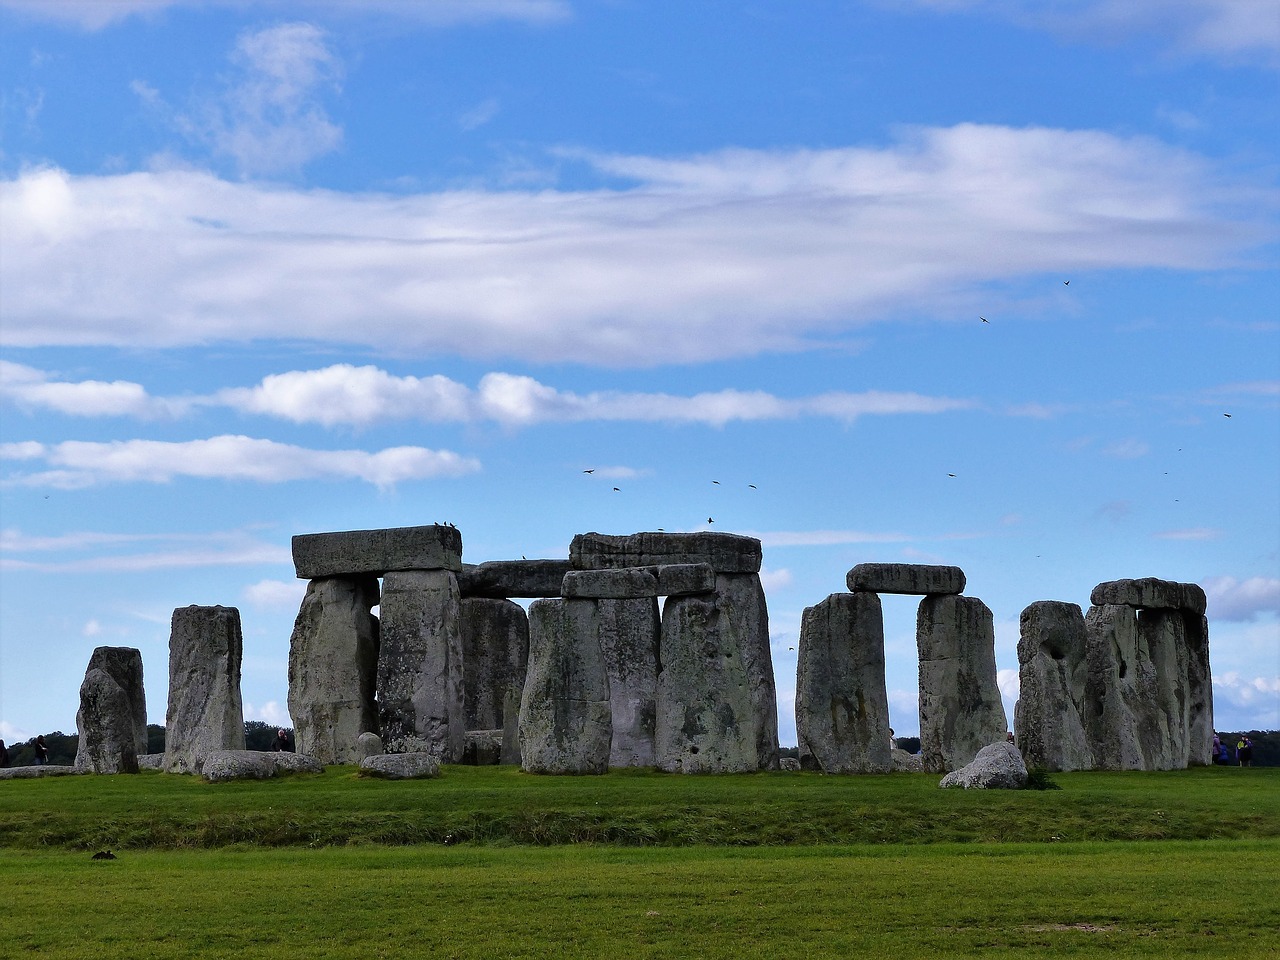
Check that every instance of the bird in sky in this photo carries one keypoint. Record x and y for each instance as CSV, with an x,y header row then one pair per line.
x,y
1066,283
709,520
950,474
984,319
716,482
753,486
1227,415
592,470
617,489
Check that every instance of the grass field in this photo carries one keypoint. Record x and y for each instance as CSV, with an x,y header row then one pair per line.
x,y
491,863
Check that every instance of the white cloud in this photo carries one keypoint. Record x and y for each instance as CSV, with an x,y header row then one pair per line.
x,y
76,464
479,115
1229,29
1129,449
729,254
1243,702
92,628
271,118
824,538
1189,533
92,552
270,712
1239,600
775,579
275,594
33,389
96,14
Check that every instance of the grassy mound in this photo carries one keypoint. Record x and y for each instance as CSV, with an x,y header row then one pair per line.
x,y
500,805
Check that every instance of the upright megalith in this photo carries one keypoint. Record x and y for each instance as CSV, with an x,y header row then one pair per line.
x,y
960,707
1149,700
112,719
628,635
1053,675
420,678
713,590
495,651
205,711
842,708
333,667
566,722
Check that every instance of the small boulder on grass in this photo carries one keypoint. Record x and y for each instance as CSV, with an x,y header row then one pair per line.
x,y
401,766
222,765
996,767
296,763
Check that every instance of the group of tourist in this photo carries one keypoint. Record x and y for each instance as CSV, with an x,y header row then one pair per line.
x,y
1222,753
41,757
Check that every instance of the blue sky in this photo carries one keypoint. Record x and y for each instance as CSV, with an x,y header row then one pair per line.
x,y
288,267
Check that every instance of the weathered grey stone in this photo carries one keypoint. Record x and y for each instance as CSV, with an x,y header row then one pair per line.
x,y
920,579
484,748
789,764
151,761
1149,699
1053,673
377,552
623,584
685,579
566,724
904,762
286,762
333,667
205,712
511,727
43,770
495,650
998,766
842,708
420,678
628,636
503,579
402,766
1151,594
368,744
112,719
717,708
222,765
725,552
960,706
1121,682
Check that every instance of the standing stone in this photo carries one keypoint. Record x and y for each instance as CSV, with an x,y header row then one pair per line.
x,y
1150,593
495,650
205,712
511,727
333,668
842,708
1121,682
628,635
420,680
112,719
565,719
1052,675
1199,692
960,707
705,720
741,600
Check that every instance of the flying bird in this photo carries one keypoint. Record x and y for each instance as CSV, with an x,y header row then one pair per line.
x,y
709,520
1227,415
984,319
950,474
617,490
592,470
716,482
1066,283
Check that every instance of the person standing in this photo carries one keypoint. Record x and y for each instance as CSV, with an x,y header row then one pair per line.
x,y
1244,751
42,752
4,755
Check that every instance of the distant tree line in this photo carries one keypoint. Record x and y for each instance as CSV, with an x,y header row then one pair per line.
x,y
258,735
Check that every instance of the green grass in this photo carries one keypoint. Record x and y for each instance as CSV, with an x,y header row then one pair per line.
x,y
1211,899
497,805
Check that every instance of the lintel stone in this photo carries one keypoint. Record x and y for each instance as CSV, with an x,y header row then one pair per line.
x,y
685,579
1150,593
504,579
918,579
377,552
625,584
725,552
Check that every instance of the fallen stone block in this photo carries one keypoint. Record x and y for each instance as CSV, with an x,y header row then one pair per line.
x,y
789,765
368,744
998,766
222,765
377,552
402,766
505,579
287,762
484,748
151,761
904,762
28,773
725,552
920,579
1150,593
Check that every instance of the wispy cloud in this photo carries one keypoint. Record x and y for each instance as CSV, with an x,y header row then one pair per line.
x,y
343,394
270,117
96,552
1189,533
825,538
1226,29
736,253
275,594
74,464
96,14
1240,600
